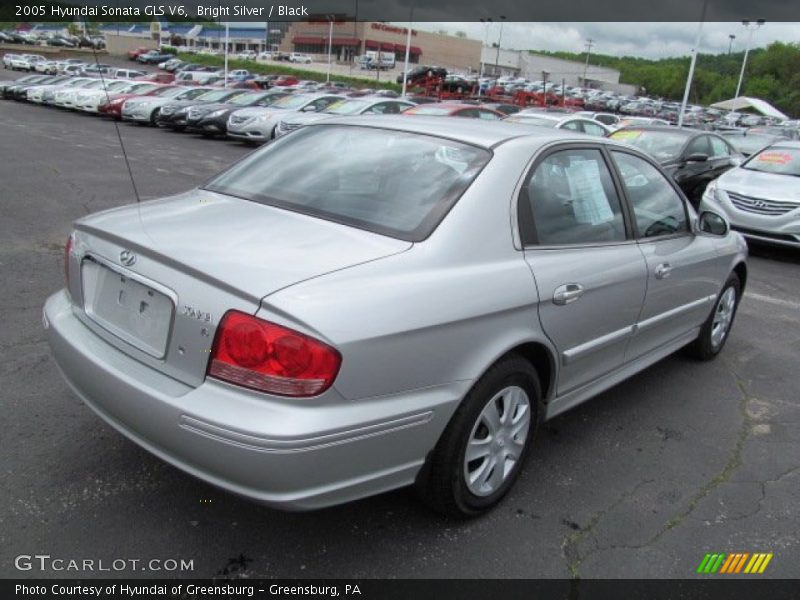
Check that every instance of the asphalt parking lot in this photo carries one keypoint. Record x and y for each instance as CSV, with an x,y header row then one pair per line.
x,y
683,459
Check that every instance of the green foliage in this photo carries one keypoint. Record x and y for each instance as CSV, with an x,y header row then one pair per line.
x,y
277,69
773,74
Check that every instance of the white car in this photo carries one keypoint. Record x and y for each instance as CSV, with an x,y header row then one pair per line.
x,y
46,94
127,74
247,55
298,57
29,61
7,58
65,97
559,120
259,125
264,55
89,100
48,67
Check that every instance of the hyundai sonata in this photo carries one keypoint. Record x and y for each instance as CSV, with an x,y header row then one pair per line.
x,y
374,302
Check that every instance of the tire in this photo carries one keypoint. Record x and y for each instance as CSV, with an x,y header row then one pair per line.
x,y
154,117
711,339
458,488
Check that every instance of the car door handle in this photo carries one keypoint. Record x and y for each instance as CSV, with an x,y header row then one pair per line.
x,y
663,270
569,292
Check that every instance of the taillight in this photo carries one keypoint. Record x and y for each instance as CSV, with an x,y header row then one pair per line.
x,y
263,356
67,253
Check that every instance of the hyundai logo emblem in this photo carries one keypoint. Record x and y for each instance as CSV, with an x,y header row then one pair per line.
x,y
760,204
127,258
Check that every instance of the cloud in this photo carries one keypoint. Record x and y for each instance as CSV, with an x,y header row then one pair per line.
x,y
647,40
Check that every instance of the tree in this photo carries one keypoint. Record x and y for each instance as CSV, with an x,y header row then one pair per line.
x,y
461,34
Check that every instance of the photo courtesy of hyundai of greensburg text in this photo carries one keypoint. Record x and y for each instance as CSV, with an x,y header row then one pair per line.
x,y
385,300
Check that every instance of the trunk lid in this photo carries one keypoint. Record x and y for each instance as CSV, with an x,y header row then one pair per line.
x,y
196,256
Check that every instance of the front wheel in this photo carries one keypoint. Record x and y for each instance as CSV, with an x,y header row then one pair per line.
x,y
481,452
715,330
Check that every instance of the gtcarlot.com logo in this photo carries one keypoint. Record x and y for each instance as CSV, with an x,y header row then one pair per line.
x,y
738,562
46,562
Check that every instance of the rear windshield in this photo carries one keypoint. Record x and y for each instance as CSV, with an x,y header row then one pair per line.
x,y
390,182
434,111
663,145
532,120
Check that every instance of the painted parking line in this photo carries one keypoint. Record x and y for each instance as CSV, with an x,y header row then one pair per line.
x,y
771,300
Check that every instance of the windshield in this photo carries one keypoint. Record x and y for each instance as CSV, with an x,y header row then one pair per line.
x,y
246,99
662,145
116,85
390,182
166,92
143,88
532,120
776,159
747,144
346,107
214,96
291,102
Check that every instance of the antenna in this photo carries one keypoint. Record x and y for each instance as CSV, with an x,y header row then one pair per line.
x,y
116,127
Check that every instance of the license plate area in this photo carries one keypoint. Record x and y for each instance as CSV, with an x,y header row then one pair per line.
x,y
128,306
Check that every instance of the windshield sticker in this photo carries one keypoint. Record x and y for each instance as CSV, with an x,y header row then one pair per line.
x,y
778,158
626,135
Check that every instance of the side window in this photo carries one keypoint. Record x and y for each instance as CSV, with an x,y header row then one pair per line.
x,y
657,207
323,102
593,129
569,198
572,126
719,148
469,113
488,116
698,145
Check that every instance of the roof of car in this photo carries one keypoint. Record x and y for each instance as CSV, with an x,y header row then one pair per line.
x,y
477,132
666,128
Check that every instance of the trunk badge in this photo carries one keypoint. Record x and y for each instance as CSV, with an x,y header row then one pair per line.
x,y
127,258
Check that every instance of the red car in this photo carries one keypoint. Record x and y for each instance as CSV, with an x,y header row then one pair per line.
x,y
286,80
157,77
134,54
113,106
455,109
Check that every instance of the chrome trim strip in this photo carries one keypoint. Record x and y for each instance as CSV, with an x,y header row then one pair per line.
x,y
671,314
577,352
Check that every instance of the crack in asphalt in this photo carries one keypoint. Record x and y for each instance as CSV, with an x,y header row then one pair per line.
x,y
570,545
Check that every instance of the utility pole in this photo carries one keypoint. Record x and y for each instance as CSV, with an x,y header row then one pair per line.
x,y
692,64
730,44
331,18
589,44
499,43
751,28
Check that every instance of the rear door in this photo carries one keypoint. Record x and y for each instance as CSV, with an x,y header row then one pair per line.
x,y
682,280
588,270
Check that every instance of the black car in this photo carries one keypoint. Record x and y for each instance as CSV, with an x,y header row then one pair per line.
x,y
20,92
693,157
506,109
60,42
419,74
10,90
212,119
175,115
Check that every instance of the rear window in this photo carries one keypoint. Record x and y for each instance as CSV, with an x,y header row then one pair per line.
x,y
532,120
662,145
393,183
433,111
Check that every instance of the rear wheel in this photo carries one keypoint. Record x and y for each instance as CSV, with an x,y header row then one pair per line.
x,y
480,453
154,117
715,330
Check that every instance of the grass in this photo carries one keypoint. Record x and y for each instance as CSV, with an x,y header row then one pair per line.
x,y
272,68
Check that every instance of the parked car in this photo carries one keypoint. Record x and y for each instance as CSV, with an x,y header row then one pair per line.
x,y
607,119
175,114
157,77
19,91
761,197
506,109
346,107
8,57
153,94
212,119
147,109
153,57
136,52
90,100
455,109
694,158
299,57
560,120
125,73
258,125
336,311
97,69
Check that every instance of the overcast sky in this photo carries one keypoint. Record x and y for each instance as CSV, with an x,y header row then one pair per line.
x,y
650,40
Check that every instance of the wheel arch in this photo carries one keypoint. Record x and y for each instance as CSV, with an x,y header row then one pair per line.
x,y
741,271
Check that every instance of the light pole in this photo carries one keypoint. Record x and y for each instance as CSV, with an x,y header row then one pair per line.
x,y
730,44
751,28
692,64
499,43
589,44
408,53
330,47
487,23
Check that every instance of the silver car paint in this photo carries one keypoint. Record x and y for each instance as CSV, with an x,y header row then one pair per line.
x,y
416,325
782,190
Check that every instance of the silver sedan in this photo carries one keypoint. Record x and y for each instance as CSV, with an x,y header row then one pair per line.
x,y
375,302
761,197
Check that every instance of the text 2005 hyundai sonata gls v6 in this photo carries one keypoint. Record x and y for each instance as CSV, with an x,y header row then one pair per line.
x,y
375,302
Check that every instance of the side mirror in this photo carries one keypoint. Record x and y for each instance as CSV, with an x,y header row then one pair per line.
x,y
696,157
711,222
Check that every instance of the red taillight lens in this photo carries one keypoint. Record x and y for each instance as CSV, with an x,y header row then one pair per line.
x,y
67,253
270,358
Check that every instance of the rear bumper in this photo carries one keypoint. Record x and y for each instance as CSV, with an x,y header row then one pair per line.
x,y
289,454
